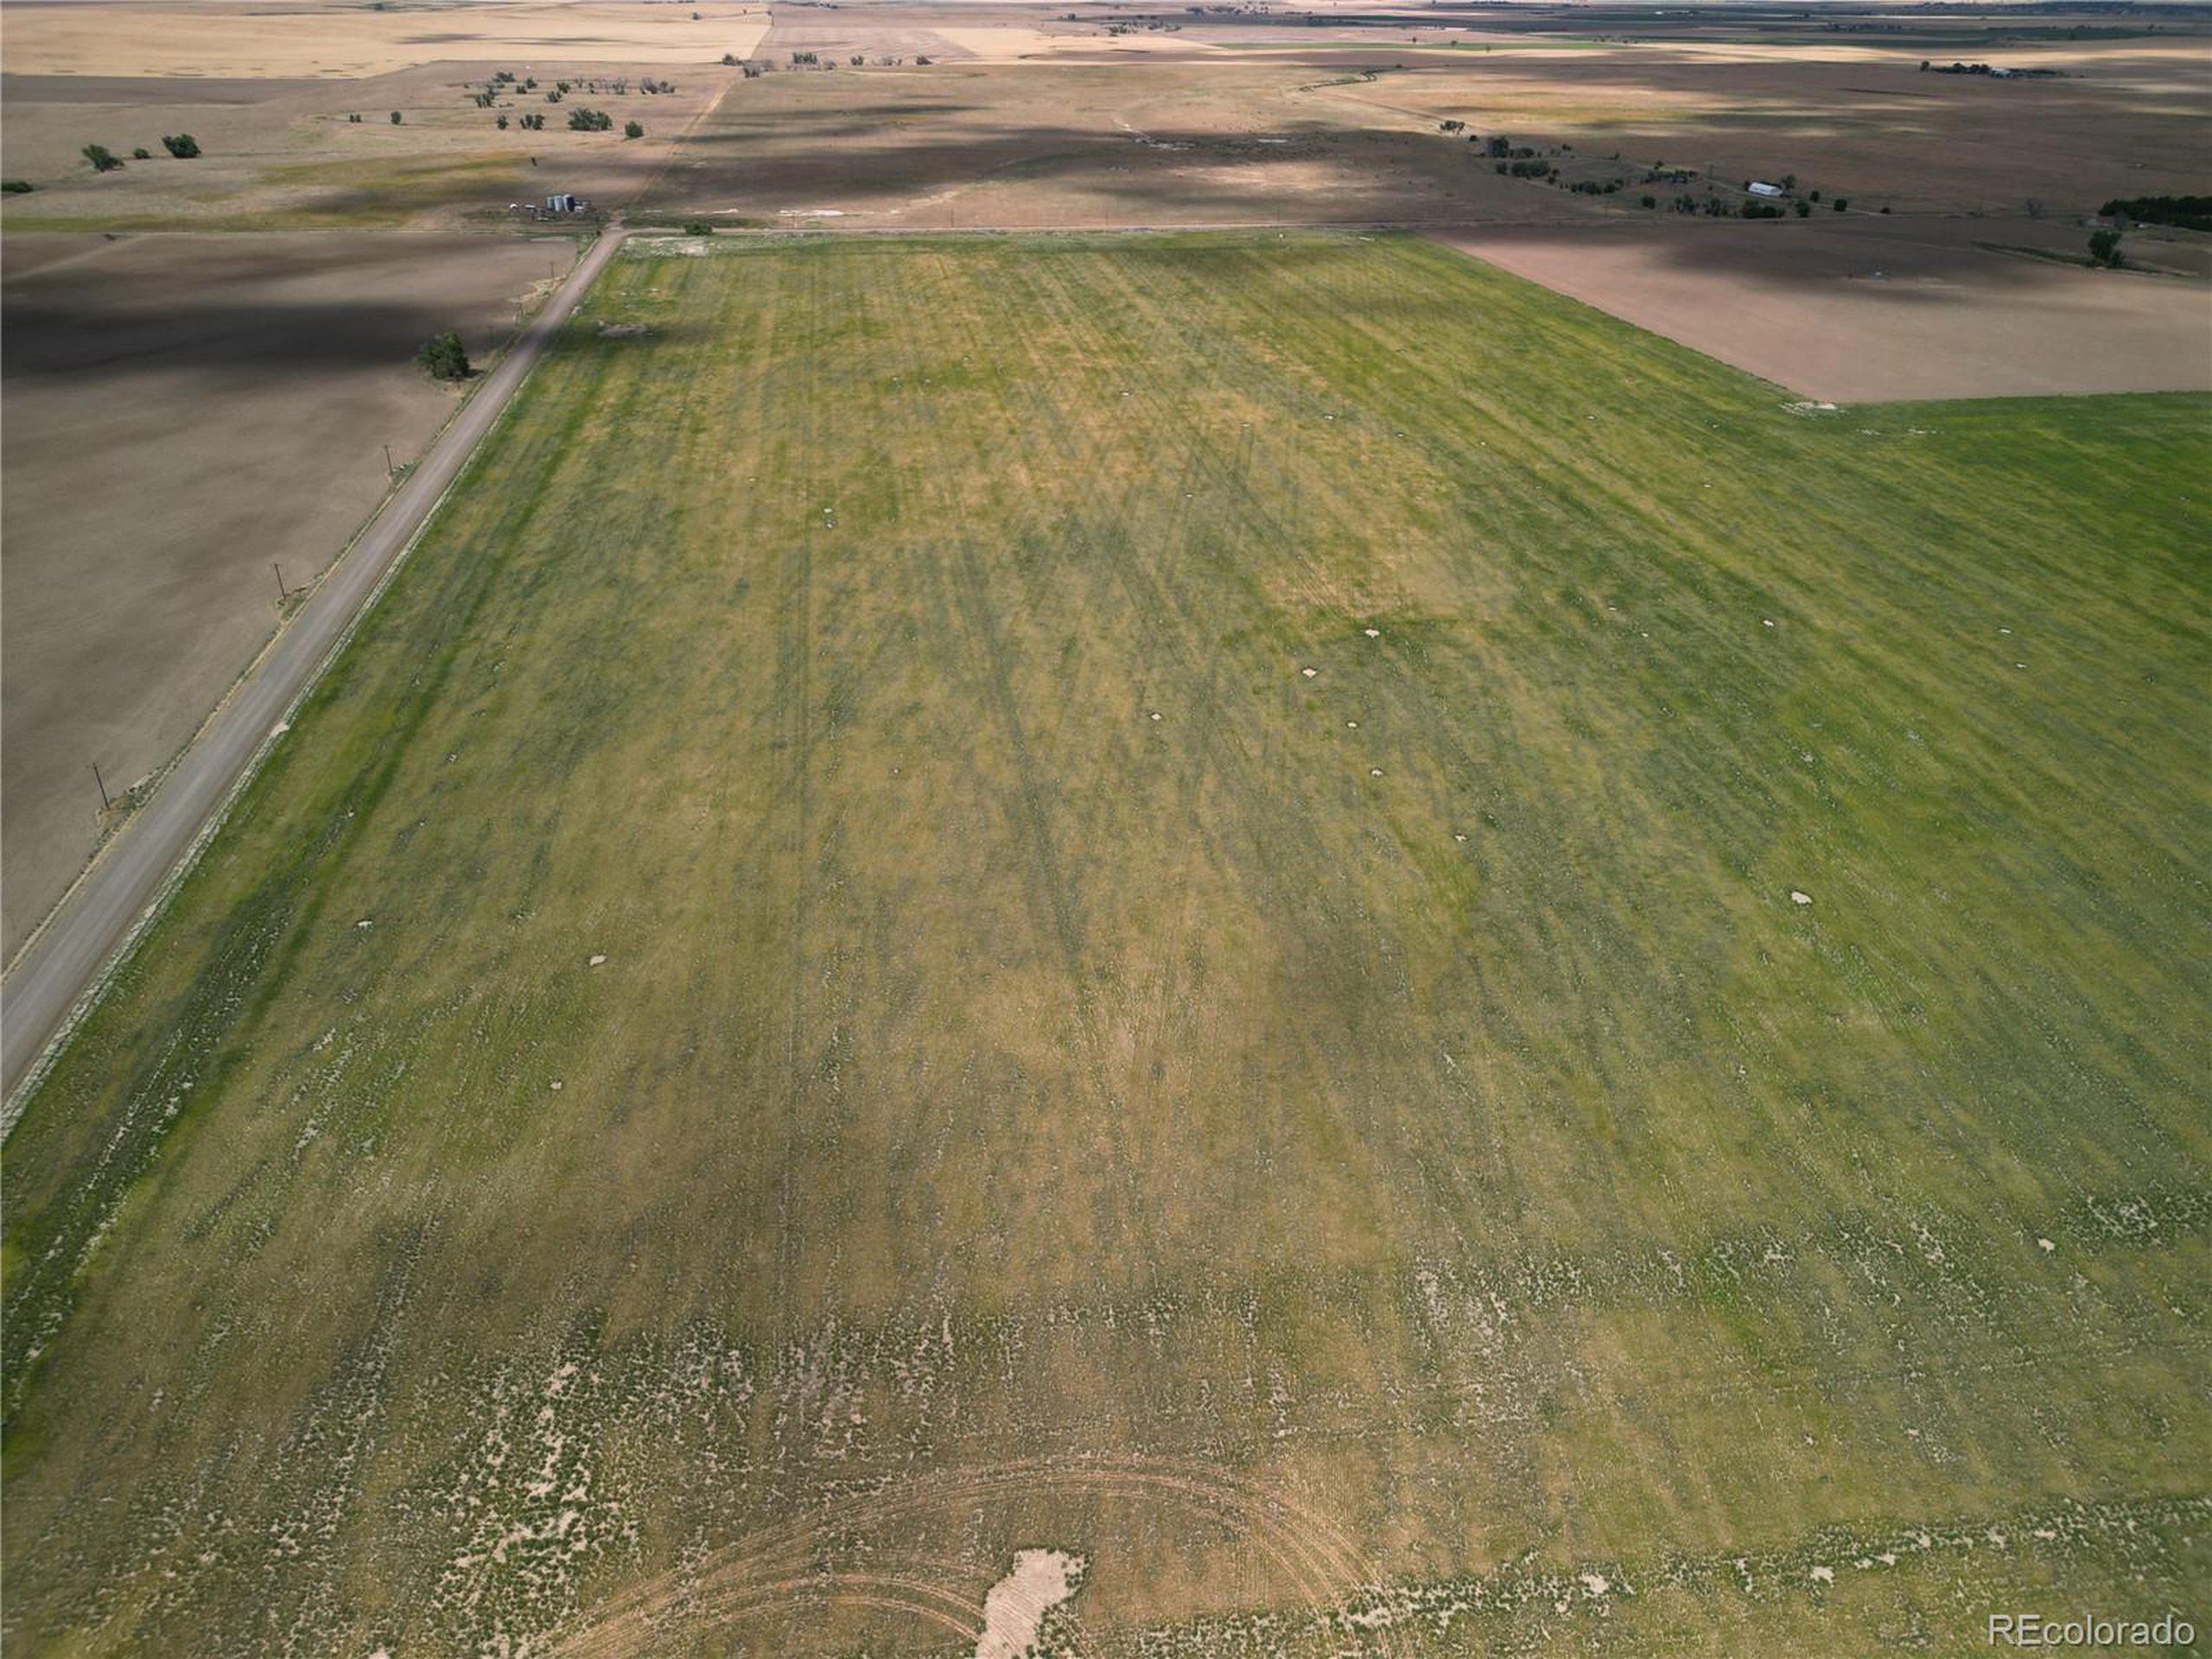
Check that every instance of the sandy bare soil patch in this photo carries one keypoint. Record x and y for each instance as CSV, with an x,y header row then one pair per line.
x,y
227,39
1865,309
183,412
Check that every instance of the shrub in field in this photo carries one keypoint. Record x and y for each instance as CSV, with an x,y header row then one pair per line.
x,y
15,187
2104,250
444,357
584,120
396,117
633,129
142,154
182,145
1842,202
501,123
697,227
102,158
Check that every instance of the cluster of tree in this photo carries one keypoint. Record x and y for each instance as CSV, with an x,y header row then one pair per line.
x,y
15,187
649,86
1955,68
1525,169
2183,213
585,120
805,59
444,357
2104,250
531,122
182,145
1450,126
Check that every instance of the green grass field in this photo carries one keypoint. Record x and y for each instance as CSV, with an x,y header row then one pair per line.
x,y
1196,845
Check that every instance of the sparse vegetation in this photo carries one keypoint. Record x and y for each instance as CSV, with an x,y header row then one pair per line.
x,y
1380,1158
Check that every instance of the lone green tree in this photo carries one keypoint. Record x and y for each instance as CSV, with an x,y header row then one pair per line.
x,y
182,145
444,357
396,117
633,129
102,158
2104,249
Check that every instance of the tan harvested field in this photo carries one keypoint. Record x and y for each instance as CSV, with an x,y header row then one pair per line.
x,y
1157,141
182,411
283,154
1853,121
334,39
1868,310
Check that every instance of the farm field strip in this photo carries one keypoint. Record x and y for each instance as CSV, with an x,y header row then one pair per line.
x,y
1405,965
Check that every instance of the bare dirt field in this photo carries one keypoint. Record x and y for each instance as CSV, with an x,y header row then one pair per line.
x,y
1865,309
1158,140
1862,123
183,411
286,154
227,38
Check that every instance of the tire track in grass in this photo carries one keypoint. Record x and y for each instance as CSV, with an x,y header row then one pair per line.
x,y
1326,1569
1052,893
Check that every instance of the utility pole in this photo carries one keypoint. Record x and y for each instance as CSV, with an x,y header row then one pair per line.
x,y
106,806
389,469
280,595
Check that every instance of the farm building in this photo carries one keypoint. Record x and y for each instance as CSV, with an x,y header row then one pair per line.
x,y
1759,188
